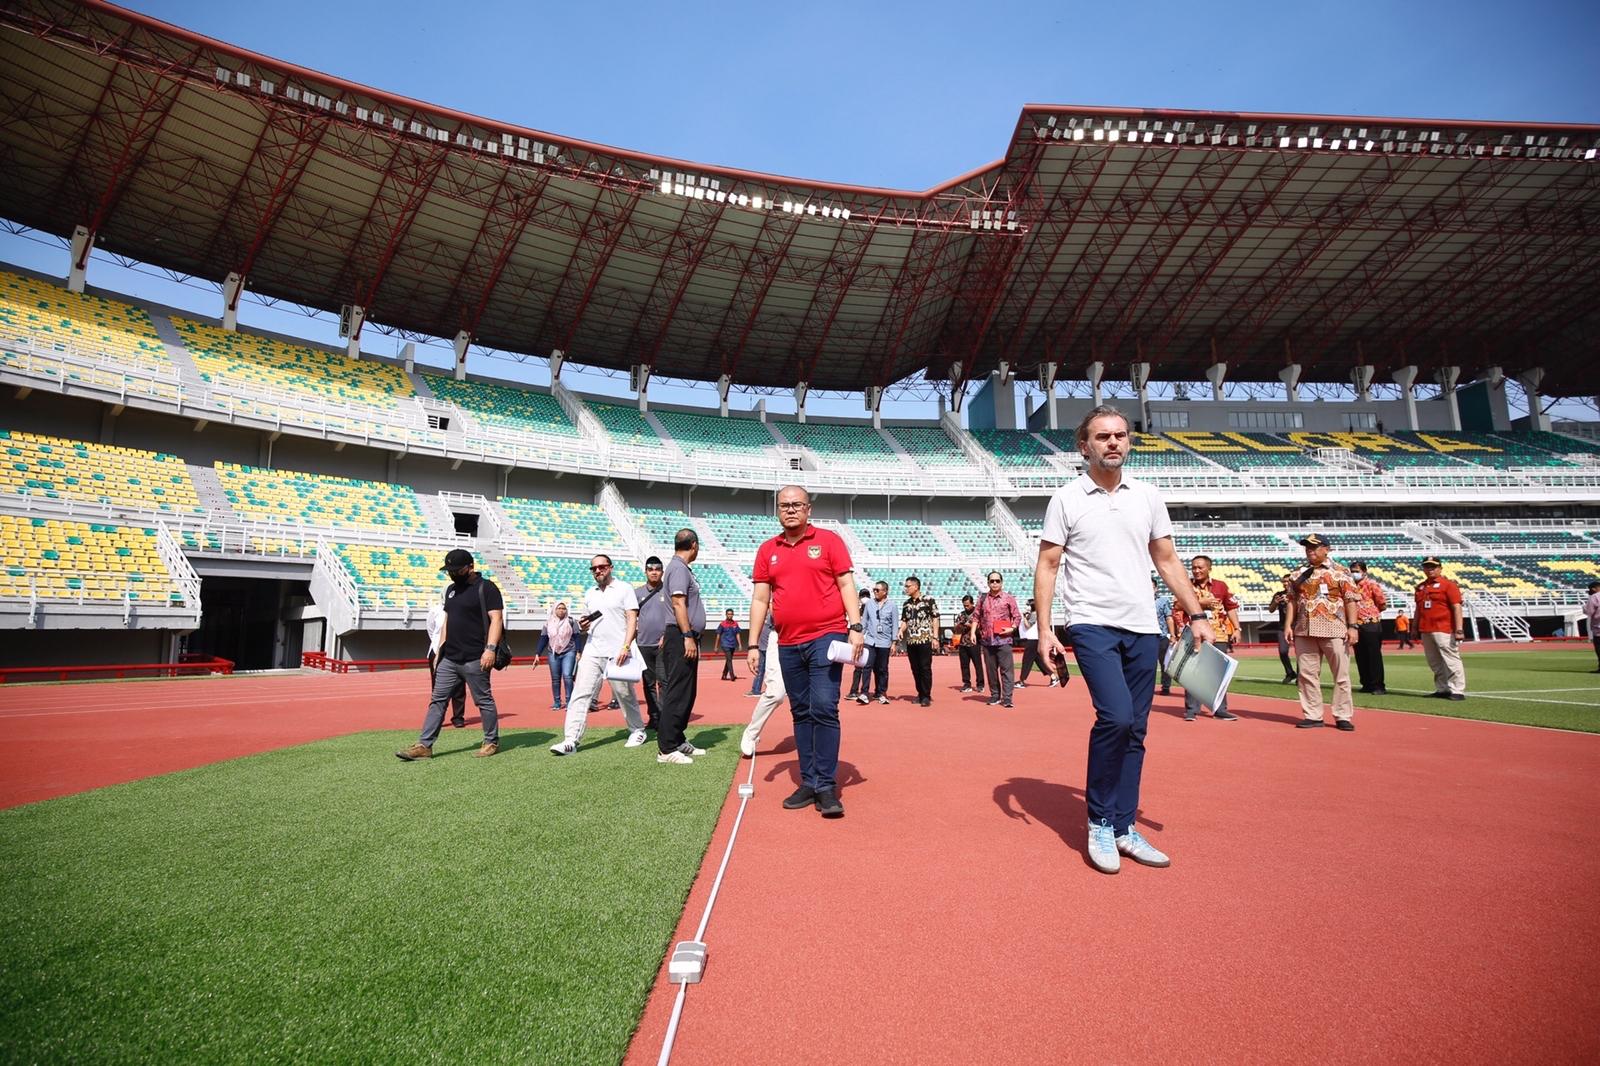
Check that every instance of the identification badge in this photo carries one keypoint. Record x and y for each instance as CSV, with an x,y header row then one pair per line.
x,y
1427,605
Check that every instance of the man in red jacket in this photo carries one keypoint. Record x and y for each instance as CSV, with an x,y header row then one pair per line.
x,y
1439,623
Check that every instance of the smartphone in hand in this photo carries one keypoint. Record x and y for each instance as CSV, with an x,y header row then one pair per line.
x,y
1058,662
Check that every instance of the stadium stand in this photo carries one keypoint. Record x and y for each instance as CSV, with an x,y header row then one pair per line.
x,y
895,537
504,405
55,468
977,539
929,446
318,499
250,359
391,565
551,577
92,326
1513,540
580,527
63,559
837,442
713,433
1012,447
741,533
625,424
1244,451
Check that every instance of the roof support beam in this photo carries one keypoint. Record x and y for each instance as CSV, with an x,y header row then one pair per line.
x,y
597,241
838,275
516,198
768,253
686,248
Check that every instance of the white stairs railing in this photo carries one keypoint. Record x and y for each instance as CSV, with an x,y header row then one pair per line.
x,y
334,591
616,508
183,574
1500,615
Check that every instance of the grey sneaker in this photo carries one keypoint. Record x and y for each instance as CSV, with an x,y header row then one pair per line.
x,y
1103,848
689,749
1225,716
635,738
1141,850
676,758
566,747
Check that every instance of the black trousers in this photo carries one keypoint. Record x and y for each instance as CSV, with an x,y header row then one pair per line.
x,y
1596,639
680,684
1369,654
1289,668
727,665
652,685
878,667
458,698
997,661
920,658
1031,656
971,666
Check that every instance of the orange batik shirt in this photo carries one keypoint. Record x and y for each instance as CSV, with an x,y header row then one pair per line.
x,y
1326,602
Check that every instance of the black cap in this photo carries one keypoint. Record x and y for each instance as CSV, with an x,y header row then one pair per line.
x,y
456,558
1316,540
1431,561
654,560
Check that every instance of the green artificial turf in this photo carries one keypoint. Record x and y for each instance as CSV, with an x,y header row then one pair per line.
x,y
1529,687
329,903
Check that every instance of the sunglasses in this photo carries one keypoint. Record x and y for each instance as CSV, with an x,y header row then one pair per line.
x,y
597,569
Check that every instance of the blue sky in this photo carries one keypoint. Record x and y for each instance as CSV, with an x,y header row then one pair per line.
x,y
900,95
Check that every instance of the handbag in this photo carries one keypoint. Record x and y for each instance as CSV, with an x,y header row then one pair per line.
x,y
502,650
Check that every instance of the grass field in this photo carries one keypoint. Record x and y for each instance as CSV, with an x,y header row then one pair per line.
x,y
328,903
1532,687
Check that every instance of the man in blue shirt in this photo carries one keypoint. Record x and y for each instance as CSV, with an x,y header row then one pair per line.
x,y
1163,614
880,619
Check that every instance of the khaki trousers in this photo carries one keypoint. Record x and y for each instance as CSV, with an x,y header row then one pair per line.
x,y
772,694
1444,659
1310,654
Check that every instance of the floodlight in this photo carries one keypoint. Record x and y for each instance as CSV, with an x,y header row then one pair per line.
x,y
1099,135
1077,134
788,206
755,202
1114,135
1589,154
847,214
666,186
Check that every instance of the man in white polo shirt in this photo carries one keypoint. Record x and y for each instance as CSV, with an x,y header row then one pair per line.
x,y
1107,529
611,619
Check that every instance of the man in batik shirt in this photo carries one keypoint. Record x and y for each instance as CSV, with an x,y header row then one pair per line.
x,y
1322,617
919,626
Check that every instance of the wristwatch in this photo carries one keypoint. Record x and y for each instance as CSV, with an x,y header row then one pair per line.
x,y
856,627
491,647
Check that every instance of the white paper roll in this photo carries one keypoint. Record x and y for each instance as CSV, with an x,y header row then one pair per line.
x,y
839,652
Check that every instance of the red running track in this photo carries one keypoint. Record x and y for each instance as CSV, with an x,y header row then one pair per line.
x,y
1421,890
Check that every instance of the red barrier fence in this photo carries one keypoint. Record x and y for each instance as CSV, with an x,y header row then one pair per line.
x,y
189,667
316,660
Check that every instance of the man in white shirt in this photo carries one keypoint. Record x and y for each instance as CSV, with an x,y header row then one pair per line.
x,y
1591,611
1106,529
611,619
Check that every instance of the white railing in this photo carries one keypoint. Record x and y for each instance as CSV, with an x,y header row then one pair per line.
x,y
188,582
1005,522
1498,612
616,508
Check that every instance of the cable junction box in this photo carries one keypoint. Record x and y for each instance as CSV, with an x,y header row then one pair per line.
x,y
688,963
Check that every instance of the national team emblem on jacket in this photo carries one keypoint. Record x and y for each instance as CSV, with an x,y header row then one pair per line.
x,y
774,560
815,551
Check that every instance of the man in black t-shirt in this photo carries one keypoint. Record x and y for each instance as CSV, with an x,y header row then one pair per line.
x,y
474,614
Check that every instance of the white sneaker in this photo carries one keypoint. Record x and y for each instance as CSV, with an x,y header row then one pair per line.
x,y
884,700
677,758
1103,848
747,745
689,749
1141,850
566,747
635,738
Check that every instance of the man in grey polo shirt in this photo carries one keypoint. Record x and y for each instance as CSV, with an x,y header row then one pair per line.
x,y
1106,529
653,613
680,652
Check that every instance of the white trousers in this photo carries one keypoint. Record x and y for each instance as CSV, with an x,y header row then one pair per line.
x,y
772,694
586,686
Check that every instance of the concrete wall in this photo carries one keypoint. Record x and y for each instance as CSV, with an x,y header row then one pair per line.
x,y
83,647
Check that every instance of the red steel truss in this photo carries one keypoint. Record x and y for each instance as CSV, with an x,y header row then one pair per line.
x,y
1101,234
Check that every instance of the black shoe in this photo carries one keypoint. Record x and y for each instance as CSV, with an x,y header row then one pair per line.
x,y
1290,679
828,803
1006,705
925,702
1345,725
459,725
1188,718
1438,695
1309,723
968,688
1380,691
804,796
1456,696
1225,716
995,702
1166,690
1364,689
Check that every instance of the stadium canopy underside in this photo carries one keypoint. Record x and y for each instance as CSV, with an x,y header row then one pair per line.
x,y
1174,238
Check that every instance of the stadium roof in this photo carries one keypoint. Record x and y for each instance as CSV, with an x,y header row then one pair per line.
x,y
1179,238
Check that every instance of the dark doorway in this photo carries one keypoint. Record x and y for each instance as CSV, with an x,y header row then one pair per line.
x,y
240,620
466,523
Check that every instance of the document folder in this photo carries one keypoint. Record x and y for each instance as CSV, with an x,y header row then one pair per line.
x,y
1204,672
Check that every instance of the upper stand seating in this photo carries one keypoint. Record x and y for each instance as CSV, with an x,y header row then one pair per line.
x,y
720,591
945,584
1013,447
1245,451
1556,443
1222,545
1254,578
549,578
713,433
525,409
95,327
394,575
660,526
929,445
318,499
1498,451
742,532
625,424
36,465
1563,539
1386,451
896,537
249,359
1349,542
1472,574
836,442
61,559
578,526
977,539
1571,573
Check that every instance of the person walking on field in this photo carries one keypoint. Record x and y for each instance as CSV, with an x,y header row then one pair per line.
x,y
1104,530
559,641
1591,611
994,627
1030,649
1402,630
1222,611
680,652
919,631
1322,615
803,576
1439,623
474,614
1280,604
653,613
728,641
880,618
1164,604
967,648
611,621
772,691
1369,630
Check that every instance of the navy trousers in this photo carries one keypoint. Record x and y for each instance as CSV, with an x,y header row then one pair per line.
x,y
1119,668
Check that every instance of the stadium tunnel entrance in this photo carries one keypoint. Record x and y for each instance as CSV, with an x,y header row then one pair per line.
x,y
257,623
